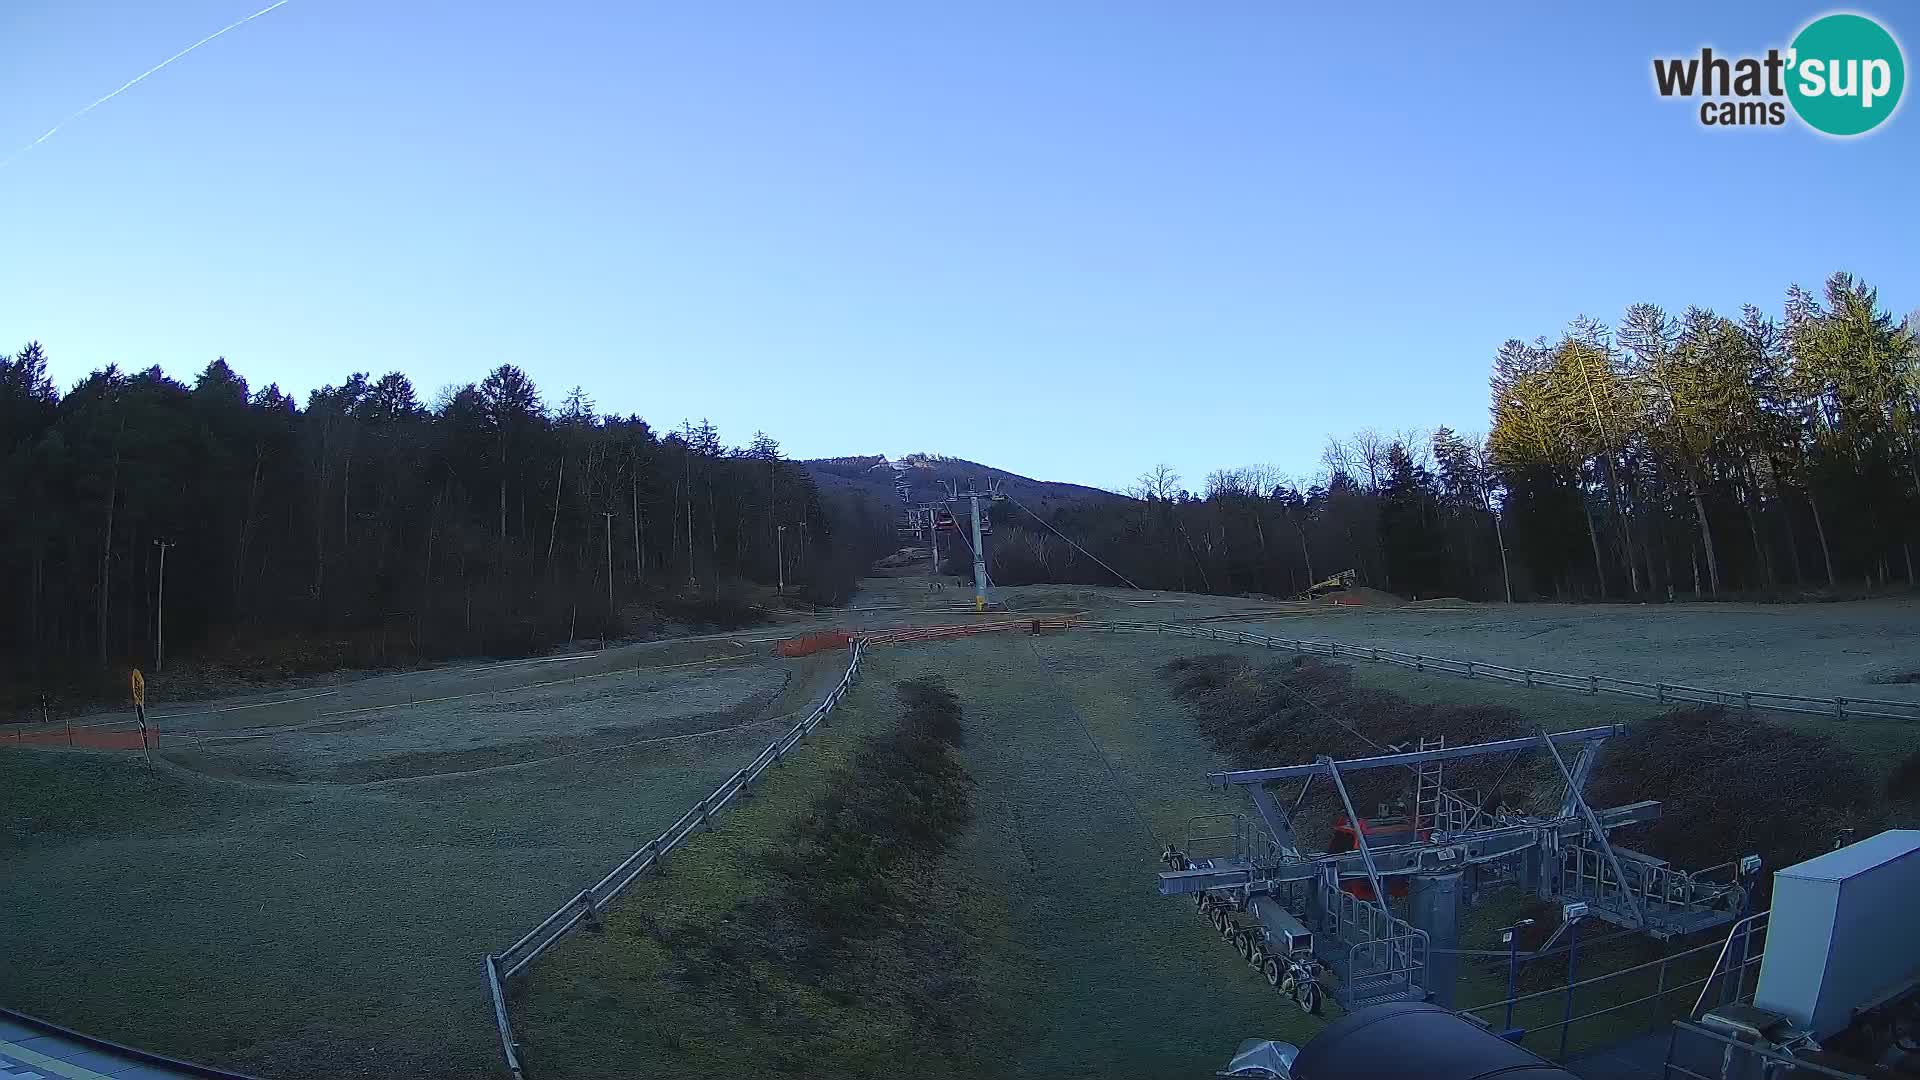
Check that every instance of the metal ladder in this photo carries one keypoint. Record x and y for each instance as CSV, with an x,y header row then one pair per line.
x,y
1428,787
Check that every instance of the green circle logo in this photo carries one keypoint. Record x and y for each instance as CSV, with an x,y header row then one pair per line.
x,y
1845,74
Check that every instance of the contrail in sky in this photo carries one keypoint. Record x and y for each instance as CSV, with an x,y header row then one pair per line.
x,y
137,79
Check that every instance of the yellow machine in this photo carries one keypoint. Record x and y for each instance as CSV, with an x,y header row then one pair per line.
x,y
1342,580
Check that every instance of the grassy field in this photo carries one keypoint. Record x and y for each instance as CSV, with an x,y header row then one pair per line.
x,y
617,1002
1087,766
1818,650
1091,972
326,929
1880,744
313,900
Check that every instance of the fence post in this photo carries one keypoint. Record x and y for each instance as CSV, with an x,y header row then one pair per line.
x,y
1573,966
1419,662
1529,674
1660,692
1593,684
1839,708
1376,656
1469,669
1746,702
1659,998
509,1046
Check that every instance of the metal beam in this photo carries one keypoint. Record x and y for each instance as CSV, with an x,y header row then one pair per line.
x,y
1188,882
1467,849
1599,834
1411,757
1577,778
1278,822
1360,838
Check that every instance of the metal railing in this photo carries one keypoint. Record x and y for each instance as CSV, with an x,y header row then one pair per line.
x,y
1585,872
1670,998
1733,959
1199,847
1395,963
1458,810
1665,693
1381,947
589,903
1695,1052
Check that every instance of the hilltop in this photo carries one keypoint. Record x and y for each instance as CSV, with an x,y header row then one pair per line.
x,y
874,476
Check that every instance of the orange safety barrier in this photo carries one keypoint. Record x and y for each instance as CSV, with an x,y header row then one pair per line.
x,y
86,738
813,643
933,633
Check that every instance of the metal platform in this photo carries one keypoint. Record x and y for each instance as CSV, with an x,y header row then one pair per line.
x,y
1449,843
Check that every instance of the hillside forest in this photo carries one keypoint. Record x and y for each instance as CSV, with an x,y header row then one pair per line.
x,y
1664,456
1697,455
367,528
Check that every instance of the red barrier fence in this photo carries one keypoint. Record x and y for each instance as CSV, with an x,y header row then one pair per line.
x,y
87,737
934,633
813,643
808,644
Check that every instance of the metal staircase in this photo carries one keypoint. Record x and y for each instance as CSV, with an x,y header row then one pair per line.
x,y
1385,958
1379,957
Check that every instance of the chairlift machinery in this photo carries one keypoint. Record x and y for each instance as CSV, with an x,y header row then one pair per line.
x,y
1374,917
944,521
916,522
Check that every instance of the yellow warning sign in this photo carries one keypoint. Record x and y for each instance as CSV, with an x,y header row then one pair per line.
x,y
139,684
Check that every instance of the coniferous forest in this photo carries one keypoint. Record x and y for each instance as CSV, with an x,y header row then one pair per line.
x,y
365,527
1770,455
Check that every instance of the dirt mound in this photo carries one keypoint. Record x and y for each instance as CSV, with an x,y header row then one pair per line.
x,y
902,557
1731,786
1362,596
808,644
1288,712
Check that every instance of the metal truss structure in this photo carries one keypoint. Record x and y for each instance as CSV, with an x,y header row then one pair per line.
x,y
1324,922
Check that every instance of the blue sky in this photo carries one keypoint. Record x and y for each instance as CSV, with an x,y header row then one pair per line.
x,y
1206,234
